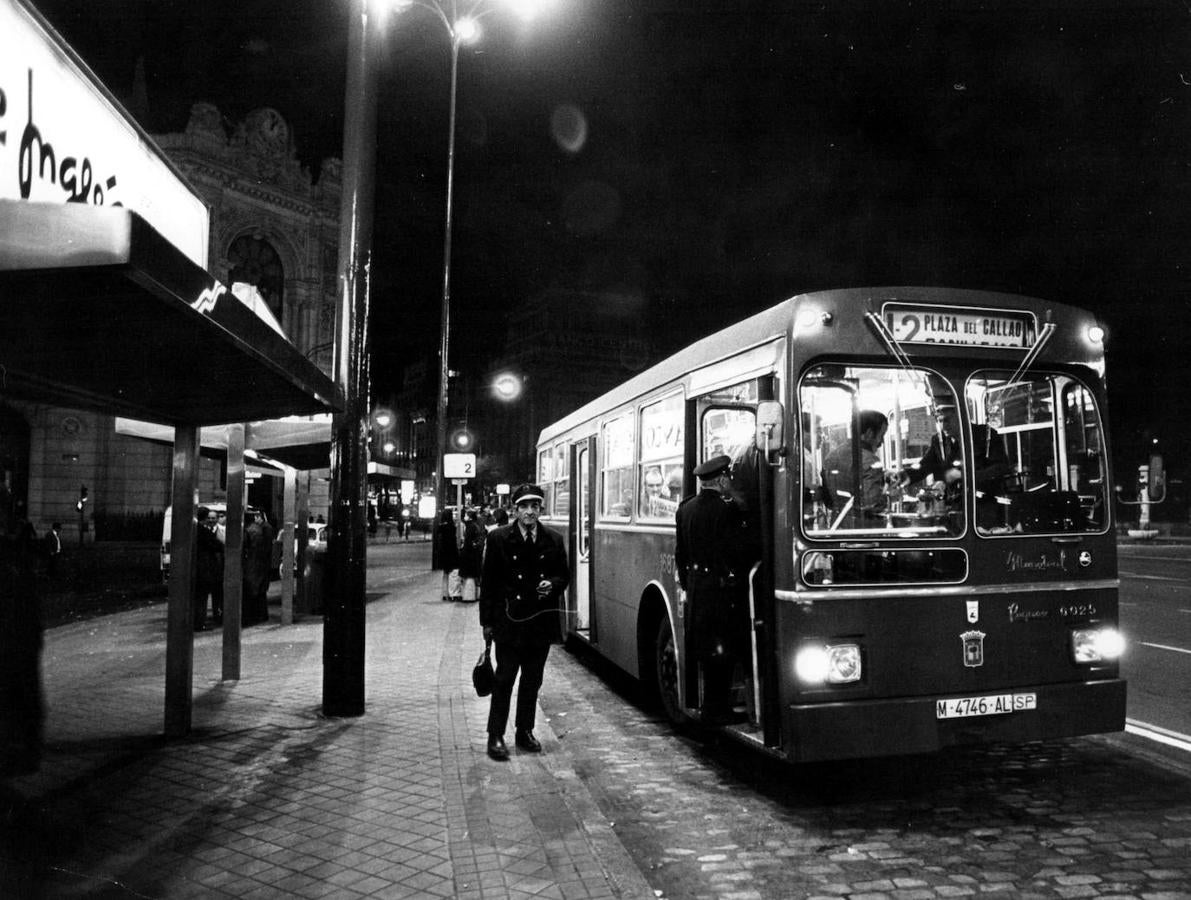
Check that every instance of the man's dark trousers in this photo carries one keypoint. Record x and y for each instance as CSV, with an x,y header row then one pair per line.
x,y
512,656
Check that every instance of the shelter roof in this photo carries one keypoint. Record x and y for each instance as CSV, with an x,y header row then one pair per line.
x,y
100,312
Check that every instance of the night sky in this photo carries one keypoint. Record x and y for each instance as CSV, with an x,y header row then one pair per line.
x,y
708,159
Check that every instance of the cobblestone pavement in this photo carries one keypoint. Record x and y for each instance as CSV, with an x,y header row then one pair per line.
x,y
1063,819
267,799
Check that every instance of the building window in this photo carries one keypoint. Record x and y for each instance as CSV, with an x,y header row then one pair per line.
x,y
254,261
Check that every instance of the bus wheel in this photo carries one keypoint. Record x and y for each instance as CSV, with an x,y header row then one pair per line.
x,y
666,673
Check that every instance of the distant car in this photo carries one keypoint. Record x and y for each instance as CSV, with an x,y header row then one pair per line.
x,y
316,538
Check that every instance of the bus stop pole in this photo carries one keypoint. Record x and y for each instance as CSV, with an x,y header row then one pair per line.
x,y
179,633
343,622
288,535
233,554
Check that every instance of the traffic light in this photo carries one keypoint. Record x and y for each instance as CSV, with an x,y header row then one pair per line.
x,y
82,497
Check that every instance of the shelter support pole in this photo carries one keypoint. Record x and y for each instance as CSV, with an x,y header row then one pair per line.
x,y
233,554
290,512
179,639
302,600
343,628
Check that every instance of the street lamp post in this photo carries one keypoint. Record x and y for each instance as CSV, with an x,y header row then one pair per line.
x,y
458,36
461,29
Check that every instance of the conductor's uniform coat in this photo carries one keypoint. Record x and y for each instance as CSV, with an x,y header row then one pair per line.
x,y
524,624
710,554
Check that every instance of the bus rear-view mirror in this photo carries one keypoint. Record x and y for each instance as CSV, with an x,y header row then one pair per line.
x,y
769,426
1157,482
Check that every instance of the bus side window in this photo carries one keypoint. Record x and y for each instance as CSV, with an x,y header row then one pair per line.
x,y
661,458
617,474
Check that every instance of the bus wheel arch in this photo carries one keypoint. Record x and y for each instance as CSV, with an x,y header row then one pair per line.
x,y
658,660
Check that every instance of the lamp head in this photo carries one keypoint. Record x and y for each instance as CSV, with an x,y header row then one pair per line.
x,y
466,30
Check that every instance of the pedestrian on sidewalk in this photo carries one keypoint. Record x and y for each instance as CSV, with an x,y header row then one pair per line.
x,y
53,549
22,712
258,561
471,556
447,553
525,573
208,570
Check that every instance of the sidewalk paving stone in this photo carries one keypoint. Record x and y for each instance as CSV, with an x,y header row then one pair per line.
x,y
267,798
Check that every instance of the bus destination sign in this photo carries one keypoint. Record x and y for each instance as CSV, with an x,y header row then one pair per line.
x,y
913,323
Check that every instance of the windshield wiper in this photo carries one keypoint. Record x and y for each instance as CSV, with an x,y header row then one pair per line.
x,y
1028,360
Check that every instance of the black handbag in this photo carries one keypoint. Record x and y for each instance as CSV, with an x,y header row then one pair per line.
x,y
482,676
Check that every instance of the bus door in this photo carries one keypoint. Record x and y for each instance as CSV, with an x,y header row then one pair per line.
x,y
725,423
582,465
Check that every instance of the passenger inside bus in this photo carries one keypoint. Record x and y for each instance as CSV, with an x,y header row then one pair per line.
x,y
659,500
861,494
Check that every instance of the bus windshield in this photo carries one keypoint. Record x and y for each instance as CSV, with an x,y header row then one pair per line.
x,y
890,452
880,453
1046,432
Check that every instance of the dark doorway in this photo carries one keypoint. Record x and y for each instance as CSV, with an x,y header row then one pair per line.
x,y
14,469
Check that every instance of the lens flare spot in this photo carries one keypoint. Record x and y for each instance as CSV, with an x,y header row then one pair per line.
x,y
568,125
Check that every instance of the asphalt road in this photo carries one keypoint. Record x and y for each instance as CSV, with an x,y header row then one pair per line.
x,y
1156,620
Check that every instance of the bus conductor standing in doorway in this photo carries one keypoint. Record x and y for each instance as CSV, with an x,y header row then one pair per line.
x,y
709,555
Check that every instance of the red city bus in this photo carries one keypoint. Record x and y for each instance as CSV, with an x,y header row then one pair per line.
x,y
951,581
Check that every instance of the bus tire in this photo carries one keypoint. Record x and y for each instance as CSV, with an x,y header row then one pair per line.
x,y
666,673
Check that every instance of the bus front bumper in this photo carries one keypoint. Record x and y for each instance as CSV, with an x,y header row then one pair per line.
x,y
863,728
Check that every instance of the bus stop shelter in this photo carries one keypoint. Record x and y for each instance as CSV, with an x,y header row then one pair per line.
x,y
98,311
294,449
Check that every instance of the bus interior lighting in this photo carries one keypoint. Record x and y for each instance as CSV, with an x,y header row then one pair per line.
x,y
1093,645
830,664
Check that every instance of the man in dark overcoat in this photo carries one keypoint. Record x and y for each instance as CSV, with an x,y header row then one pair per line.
x,y
524,576
711,558
208,570
258,561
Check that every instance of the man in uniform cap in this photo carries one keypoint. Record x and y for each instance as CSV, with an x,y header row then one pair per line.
x,y
710,558
524,575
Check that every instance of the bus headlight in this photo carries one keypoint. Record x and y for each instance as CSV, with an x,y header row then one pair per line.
x,y
1093,645
830,664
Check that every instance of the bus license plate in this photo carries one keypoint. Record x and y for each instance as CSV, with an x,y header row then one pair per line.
x,y
992,705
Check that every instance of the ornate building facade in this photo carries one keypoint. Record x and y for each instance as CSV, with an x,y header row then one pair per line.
x,y
272,226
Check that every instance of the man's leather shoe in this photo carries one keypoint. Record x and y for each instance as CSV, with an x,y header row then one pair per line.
x,y
496,747
526,741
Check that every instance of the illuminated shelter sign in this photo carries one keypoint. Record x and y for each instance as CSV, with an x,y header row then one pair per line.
x,y
920,323
65,139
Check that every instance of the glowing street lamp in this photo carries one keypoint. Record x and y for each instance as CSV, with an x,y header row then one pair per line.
x,y
507,387
461,29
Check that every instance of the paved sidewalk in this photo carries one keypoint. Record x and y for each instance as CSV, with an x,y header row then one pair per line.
x,y
268,799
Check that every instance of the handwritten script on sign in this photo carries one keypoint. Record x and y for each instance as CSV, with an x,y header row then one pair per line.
x,y
922,324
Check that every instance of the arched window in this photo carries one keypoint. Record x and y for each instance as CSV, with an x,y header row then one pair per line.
x,y
254,261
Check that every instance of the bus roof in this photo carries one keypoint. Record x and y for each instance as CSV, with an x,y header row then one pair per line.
x,y
778,321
